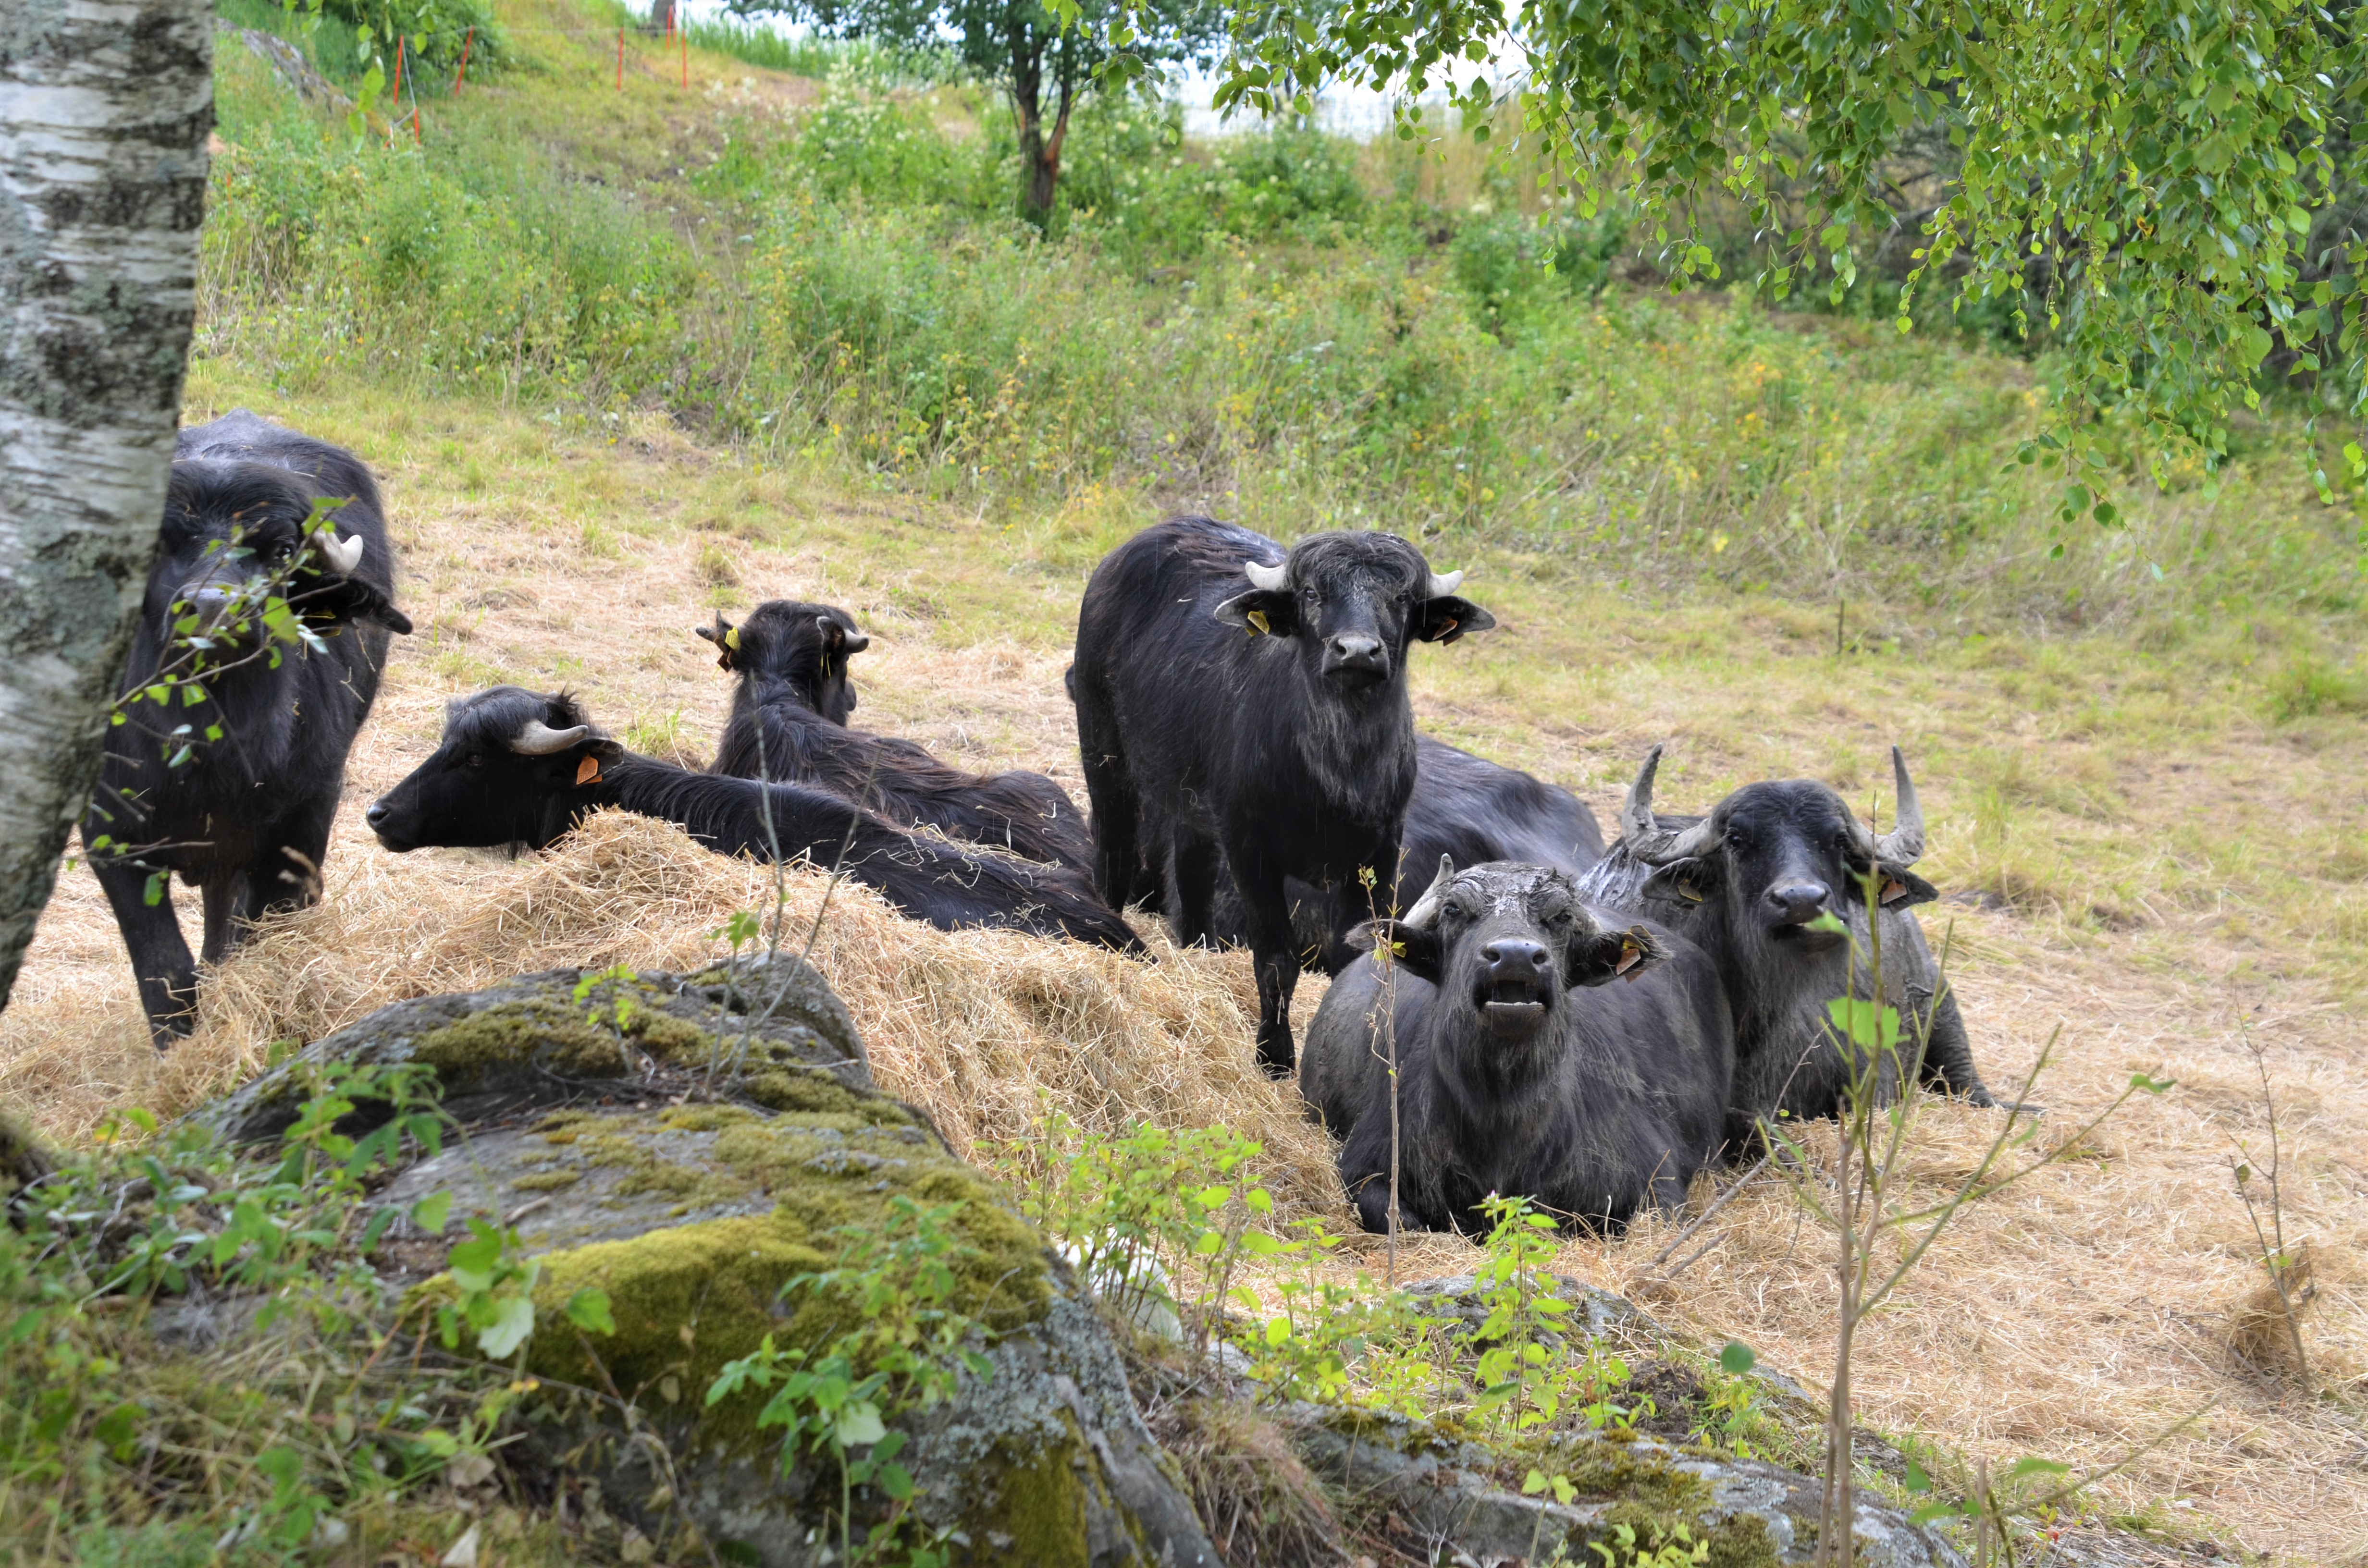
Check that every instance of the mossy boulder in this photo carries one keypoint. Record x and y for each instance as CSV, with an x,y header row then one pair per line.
x,y
1442,1485
725,1141
768,1030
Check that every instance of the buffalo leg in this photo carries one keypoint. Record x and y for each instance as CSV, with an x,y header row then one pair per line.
x,y
1266,920
1116,812
160,955
228,901
1194,865
1947,1054
1357,901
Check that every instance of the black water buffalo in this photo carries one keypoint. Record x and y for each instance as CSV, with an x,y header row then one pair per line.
x,y
1250,706
1520,1071
245,815
522,767
1746,883
788,724
1464,807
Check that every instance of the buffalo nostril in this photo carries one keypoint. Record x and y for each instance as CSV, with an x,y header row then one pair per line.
x,y
376,814
1514,954
1362,649
1798,901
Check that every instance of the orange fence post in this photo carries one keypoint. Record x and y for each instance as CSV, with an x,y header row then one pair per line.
x,y
620,60
468,40
686,57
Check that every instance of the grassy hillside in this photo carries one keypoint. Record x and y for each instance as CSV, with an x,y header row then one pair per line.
x,y
624,359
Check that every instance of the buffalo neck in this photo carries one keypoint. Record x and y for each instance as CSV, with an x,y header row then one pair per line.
x,y
1349,742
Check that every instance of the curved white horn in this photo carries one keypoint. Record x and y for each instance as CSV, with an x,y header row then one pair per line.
x,y
1425,913
1273,579
342,555
1440,586
1643,836
1905,842
539,739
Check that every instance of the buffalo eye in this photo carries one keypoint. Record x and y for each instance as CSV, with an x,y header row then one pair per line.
x,y
472,759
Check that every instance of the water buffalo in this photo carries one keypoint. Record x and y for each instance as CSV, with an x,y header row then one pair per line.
x,y
523,768
244,814
788,724
1748,883
1520,1069
1250,706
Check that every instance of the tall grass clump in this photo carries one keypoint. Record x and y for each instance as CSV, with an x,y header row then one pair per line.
x,y
1283,326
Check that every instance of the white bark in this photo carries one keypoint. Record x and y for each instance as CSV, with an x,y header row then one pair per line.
x,y
105,107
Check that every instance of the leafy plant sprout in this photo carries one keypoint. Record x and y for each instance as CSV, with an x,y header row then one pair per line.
x,y
1872,1125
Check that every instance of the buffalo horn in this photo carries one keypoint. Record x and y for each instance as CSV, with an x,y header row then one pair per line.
x,y
1273,579
1425,913
342,555
856,641
1905,842
1646,840
1442,586
539,739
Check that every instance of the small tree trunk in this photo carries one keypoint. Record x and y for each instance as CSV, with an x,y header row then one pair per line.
x,y
662,17
105,109
1040,155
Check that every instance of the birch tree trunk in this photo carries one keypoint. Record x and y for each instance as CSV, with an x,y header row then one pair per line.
x,y
105,109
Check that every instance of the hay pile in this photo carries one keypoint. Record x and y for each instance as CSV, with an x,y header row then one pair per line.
x,y
985,1030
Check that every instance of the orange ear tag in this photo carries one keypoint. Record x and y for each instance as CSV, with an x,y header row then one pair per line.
x,y
1893,891
588,770
1444,632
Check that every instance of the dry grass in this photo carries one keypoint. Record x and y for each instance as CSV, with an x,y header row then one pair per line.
x,y
2086,1309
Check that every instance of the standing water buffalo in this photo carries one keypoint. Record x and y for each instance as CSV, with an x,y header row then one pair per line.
x,y
788,724
522,767
1520,1070
1253,704
1746,883
244,816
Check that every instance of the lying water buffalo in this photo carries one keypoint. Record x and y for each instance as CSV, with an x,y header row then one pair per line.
x,y
523,768
788,724
1520,1069
245,814
1253,704
1747,883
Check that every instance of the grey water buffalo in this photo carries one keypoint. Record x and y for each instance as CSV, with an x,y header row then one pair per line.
x,y
1750,883
1248,705
787,723
1523,1068
523,768
236,790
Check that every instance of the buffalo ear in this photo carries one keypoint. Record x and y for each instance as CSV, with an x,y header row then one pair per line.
x,y
1445,618
1682,882
1903,889
1612,955
1267,611
1414,948
352,600
726,638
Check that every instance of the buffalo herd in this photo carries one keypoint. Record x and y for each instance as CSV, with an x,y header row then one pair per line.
x,y
1515,1006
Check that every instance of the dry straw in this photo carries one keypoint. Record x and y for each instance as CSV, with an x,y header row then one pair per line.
x,y
985,1030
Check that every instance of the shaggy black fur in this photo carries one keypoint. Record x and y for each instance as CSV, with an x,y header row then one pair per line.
x,y
788,724
477,790
1268,731
1793,839
1521,1070
1464,807
246,818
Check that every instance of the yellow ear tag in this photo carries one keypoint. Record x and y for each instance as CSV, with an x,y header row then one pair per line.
x,y
732,639
588,770
1257,619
